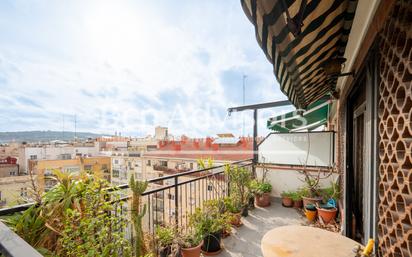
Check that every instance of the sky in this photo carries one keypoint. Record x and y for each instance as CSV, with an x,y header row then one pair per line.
x,y
128,66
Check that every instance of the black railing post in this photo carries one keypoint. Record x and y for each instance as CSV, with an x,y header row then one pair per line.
x,y
176,201
255,138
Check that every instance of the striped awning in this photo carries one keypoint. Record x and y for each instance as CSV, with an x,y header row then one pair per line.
x,y
298,58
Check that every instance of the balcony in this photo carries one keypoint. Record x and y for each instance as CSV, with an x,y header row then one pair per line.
x,y
245,240
166,204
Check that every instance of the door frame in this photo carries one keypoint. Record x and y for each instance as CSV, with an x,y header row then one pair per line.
x,y
368,75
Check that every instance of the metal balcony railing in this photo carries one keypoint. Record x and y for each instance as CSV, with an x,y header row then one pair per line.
x,y
167,203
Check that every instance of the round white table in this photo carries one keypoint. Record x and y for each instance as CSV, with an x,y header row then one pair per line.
x,y
304,241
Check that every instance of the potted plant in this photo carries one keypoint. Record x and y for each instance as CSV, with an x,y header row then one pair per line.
x,y
311,193
331,194
327,212
262,192
297,199
310,212
234,210
164,237
239,182
191,243
287,198
210,223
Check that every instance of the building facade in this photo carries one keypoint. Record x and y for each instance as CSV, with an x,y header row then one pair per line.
x,y
99,166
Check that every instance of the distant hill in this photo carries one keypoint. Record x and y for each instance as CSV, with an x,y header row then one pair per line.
x,y
46,135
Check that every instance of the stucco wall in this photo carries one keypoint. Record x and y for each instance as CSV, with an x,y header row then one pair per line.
x,y
290,180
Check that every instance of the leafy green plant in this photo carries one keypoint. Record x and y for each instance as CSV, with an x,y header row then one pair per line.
x,y
209,220
239,181
138,210
75,219
331,192
191,238
165,235
231,205
296,196
288,194
260,188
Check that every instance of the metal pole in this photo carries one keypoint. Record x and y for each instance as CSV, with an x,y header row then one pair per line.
x,y
255,135
244,100
176,201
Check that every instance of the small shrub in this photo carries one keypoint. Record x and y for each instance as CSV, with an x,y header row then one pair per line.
x,y
165,235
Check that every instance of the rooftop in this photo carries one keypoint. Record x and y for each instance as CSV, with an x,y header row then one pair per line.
x,y
205,148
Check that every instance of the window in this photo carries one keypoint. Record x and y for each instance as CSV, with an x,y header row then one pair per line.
x,y
209,187
66,156
115,173
12,173
72,169
163,163
170,196
88,167
48,172
23,191
33,157
116,161
191,165
148,163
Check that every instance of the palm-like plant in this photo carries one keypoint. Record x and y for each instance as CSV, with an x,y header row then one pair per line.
x,y
74,219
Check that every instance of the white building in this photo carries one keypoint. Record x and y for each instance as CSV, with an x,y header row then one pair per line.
x,y
55,151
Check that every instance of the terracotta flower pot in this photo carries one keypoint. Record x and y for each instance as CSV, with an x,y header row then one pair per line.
x,y
262,200
309,200
287,201
327,215
310,215
236,221
298,204
192,252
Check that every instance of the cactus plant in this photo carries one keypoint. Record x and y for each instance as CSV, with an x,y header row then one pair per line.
x,y
137,213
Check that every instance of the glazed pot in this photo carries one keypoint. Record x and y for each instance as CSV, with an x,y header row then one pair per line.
x,y
251,203
298,204
236,220
327,215
192,252
310,215
245,211
211,243
262,200
287,201
309,200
